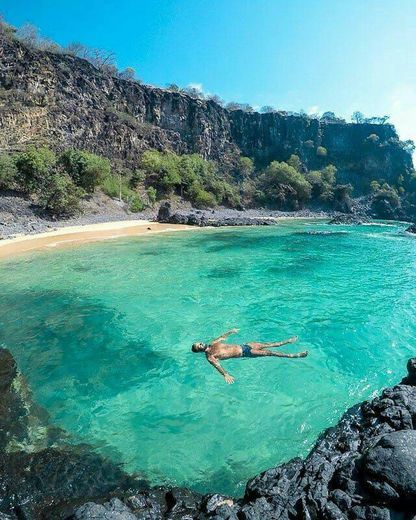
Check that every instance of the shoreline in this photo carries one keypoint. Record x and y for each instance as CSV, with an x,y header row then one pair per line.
x,y
81,234
64,236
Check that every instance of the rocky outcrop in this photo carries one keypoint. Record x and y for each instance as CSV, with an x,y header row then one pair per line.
x,y
200,219
363,468
411,229
67,102
351,219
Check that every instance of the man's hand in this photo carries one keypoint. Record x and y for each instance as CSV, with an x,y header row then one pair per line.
x,y
234,331
228,379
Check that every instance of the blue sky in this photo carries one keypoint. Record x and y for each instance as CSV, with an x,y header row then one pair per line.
x,y
314,55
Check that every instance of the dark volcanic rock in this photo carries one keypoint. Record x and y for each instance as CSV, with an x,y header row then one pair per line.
x,y
389,468
346,218
411,229
166,215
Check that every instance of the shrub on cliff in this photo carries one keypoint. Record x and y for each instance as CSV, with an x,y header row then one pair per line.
x,y
322,183
86,169
200,197
8,172
59,195
118,186
33,166
284,186
386,201
321,151
161,170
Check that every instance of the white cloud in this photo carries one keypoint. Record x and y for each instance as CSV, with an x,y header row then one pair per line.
x,y
313,110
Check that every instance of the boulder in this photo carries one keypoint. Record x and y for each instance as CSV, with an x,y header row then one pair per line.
x,y
350,219
389,468
411,229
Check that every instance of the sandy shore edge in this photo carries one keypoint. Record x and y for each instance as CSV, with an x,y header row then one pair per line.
x,y
71,235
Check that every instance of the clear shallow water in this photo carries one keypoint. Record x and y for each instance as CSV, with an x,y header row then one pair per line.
x,y
103,333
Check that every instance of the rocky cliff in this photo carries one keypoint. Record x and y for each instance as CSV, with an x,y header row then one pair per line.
x,y
66,102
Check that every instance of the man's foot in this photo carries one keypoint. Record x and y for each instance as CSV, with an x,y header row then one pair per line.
x,y
303,354
293,339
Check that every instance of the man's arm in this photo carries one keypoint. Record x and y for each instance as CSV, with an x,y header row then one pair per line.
x,y
215,363
224,336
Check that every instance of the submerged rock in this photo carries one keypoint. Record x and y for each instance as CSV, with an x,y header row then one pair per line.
x,y
363,468
411,229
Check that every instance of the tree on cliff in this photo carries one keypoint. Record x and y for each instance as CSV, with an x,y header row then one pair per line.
x,y
268,109
358,117
283,185
129,74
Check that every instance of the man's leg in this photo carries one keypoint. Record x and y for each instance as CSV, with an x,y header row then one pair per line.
x,y
256,345
262,352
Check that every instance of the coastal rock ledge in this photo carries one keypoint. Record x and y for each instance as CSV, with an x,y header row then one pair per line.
x,y
364,468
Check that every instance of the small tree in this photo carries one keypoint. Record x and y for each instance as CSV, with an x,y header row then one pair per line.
x,y
8,172
321,151
28,34
215,99
76,49
267,109
128,74
295,162
173,87
152,195
60,196
86,169
245,168
34,166
358,117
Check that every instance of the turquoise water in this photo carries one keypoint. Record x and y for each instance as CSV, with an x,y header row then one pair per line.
x,y
103,332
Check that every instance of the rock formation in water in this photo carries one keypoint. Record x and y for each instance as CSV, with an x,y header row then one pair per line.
x,y
198,218
361,469
66,102
411,229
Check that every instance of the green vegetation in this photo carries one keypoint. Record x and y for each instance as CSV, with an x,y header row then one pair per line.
x,y
87,170
59,195
57,182
283,184
189,176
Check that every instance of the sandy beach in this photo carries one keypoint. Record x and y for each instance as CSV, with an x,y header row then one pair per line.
x,y
66,236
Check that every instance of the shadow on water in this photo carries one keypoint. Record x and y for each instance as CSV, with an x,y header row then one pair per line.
x,y
55,334
225,271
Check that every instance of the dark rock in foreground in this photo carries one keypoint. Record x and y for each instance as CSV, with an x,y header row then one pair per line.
x,y
352,219
411,229
363,468
167,216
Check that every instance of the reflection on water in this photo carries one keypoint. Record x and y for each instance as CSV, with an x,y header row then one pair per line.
x,y
103,335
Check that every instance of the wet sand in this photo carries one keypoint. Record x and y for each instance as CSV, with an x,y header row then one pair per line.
x,y
70,235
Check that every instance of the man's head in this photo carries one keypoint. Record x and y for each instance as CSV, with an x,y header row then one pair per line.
x,y
199,347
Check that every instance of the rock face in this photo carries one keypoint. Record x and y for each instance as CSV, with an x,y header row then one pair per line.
x,y
363,468
65,101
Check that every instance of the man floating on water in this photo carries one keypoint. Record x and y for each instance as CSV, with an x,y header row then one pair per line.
x,y
218,350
